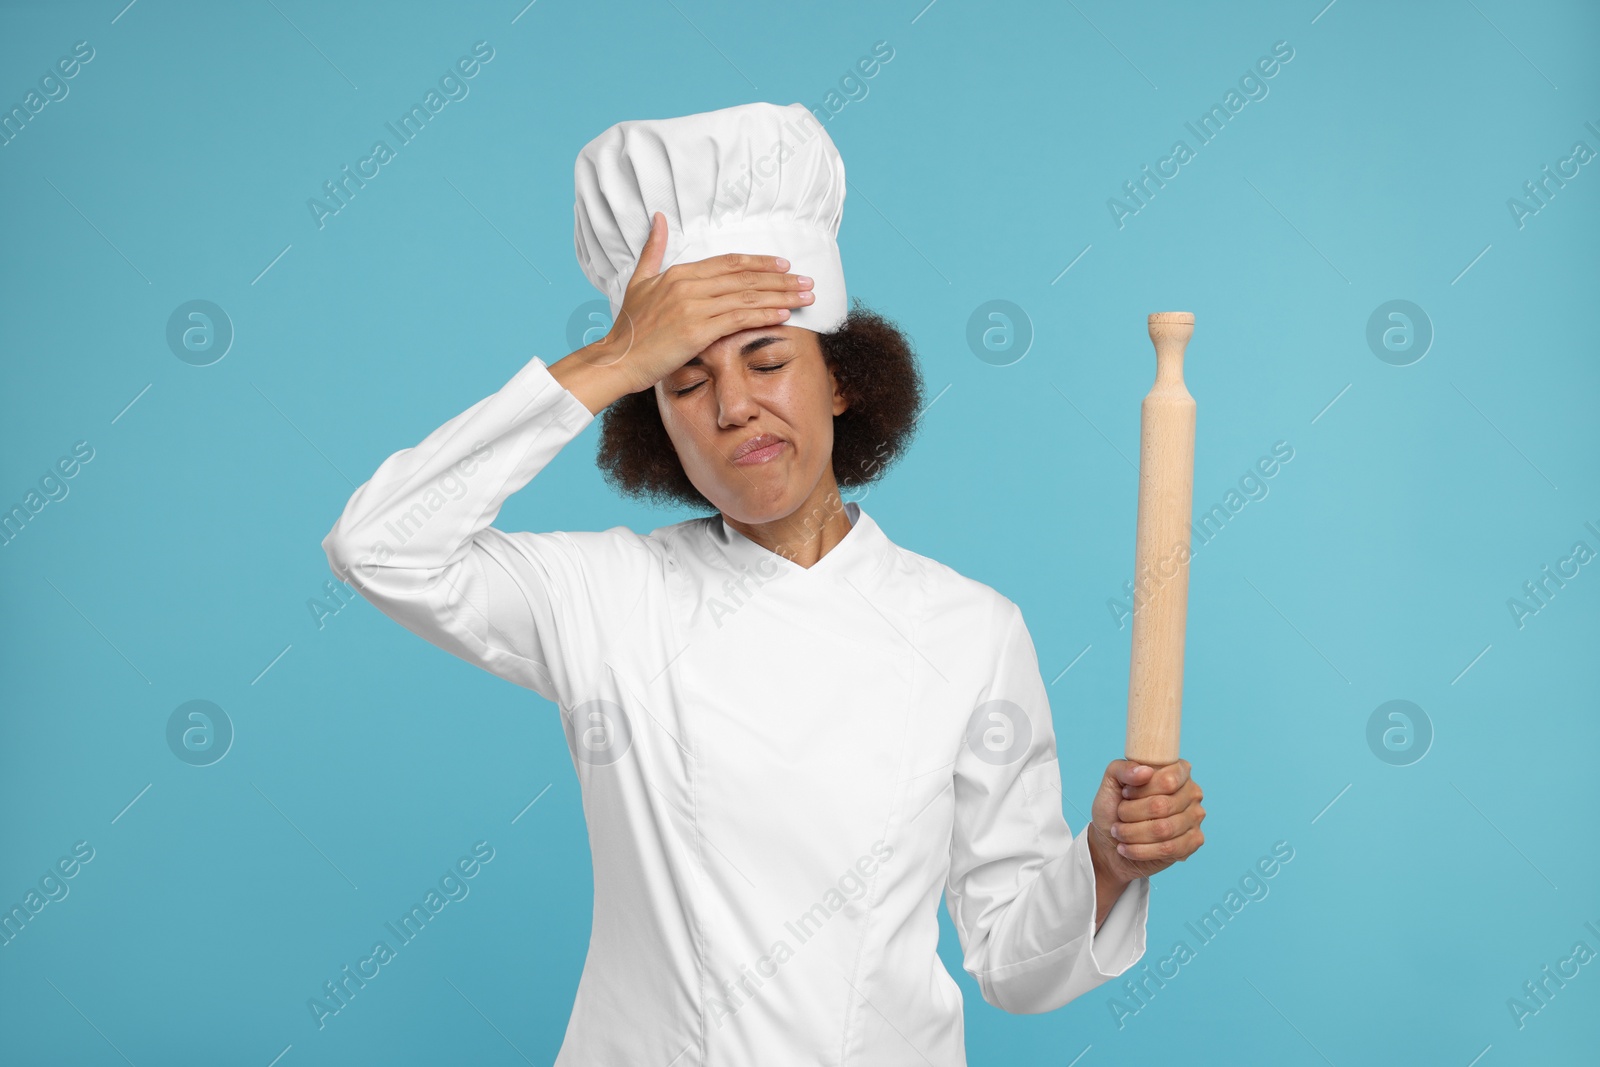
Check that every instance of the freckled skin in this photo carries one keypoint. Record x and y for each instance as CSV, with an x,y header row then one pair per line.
x,y
789,504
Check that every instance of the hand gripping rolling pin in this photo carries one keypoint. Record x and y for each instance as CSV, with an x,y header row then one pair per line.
x,y
1161,552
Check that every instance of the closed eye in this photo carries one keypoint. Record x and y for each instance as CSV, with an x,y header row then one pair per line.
x,y
765,367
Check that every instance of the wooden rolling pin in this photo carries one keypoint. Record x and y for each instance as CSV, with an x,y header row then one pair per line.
x,y
1161,552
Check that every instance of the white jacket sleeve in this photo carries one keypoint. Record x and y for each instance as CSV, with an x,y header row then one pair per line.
x,y
416,542
1021,889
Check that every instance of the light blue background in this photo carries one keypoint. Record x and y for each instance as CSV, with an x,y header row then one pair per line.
x,y
980,160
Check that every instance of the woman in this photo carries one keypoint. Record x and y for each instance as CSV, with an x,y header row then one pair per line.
x,y
790,733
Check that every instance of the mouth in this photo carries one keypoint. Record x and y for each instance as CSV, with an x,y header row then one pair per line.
x,y
759,449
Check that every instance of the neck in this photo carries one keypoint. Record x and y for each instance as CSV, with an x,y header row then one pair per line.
x,y
806,534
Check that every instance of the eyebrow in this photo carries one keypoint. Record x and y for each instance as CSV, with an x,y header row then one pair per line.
x,y
753,345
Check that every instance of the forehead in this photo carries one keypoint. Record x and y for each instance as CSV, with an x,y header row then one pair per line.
x,y
749,342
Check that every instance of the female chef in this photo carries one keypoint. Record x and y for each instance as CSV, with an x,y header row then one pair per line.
x,y
791,735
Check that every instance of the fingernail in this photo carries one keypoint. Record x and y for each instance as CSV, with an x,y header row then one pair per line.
x,y
1116,831
1122,850
1126,792
783,264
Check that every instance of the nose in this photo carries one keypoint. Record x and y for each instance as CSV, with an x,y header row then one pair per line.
x,y
736,405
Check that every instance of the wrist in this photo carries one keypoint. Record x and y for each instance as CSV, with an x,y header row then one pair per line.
x,y
1109,880
1108,871
594,374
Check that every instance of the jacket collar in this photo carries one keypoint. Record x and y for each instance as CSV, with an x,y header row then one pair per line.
x,y
856,558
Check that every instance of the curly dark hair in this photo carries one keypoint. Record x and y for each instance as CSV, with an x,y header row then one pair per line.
x,y
877,371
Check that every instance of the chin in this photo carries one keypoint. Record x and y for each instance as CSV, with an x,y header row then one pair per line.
x,y
750,505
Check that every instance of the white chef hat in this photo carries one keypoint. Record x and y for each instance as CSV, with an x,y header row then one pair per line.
x,y
759,178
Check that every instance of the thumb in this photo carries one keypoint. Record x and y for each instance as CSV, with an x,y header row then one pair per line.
x,y
1123,773
655,248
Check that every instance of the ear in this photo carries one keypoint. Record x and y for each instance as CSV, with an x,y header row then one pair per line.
x,y
841,403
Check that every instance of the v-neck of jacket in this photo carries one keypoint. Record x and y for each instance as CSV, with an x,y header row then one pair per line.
x,y
857,552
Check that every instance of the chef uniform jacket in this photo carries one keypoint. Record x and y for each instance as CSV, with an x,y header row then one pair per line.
x,y
781,766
